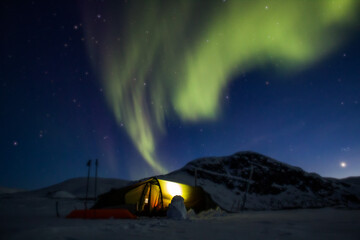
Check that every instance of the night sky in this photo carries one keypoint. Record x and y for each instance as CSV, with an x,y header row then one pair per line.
x,y
147,86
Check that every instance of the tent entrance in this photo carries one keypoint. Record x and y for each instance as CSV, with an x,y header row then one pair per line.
x,y
146,197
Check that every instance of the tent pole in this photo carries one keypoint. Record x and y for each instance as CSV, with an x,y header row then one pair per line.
x,y
247,187
149,201
96,171
195,177
142,198
161,195
87,183
57,209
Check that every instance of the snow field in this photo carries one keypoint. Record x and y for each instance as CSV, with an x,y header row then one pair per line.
x,y
35,218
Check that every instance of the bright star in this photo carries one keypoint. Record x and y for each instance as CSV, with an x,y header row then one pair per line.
x,y
343,164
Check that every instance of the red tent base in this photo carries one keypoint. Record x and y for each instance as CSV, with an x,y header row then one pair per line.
x,y
101,214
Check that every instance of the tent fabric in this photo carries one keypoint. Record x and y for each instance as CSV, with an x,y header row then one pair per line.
x,y
153,196
132,196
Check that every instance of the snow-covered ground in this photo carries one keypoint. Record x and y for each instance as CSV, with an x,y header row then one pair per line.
x,y
33,217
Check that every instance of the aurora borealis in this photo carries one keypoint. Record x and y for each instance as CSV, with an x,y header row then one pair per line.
x,y
163,58
147,86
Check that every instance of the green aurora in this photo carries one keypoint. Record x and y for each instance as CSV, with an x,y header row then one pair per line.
x,y
174,58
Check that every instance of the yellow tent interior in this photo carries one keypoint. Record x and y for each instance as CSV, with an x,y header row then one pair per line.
x,y
153,196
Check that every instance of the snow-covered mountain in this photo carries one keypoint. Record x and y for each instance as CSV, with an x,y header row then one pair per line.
x,y
273,185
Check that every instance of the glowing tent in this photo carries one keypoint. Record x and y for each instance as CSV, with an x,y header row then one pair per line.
x,y
153,196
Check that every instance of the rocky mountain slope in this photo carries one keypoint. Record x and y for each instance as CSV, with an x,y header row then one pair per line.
x,y
273,184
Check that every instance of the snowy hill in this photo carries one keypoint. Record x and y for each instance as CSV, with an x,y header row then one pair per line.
x,y
4,190
274,185
76,187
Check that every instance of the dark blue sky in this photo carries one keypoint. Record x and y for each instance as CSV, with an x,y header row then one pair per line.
x,y
54,116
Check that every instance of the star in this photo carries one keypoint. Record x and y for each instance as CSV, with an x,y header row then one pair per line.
x,y
343,164
15,143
